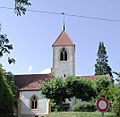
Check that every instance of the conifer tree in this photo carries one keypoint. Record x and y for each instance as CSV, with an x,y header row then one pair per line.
x,y
101,66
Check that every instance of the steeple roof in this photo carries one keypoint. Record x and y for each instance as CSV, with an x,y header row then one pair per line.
x,y
63,39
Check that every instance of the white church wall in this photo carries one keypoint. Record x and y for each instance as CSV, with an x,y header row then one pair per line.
x,y
63,67
43,103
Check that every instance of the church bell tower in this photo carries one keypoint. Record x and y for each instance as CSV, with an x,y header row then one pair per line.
x,y
63,56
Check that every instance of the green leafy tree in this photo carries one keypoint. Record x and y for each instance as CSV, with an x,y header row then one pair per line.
x,y
105,88
112,93
102,84
76,85
7,87
6,96
10,78
55,90
5,46
60,89
20,6
116,102
116,95
101,66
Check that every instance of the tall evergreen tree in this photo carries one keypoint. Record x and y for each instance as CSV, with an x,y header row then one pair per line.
x,y
101,66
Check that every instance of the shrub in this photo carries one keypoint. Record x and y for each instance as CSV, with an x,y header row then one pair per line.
x,y
85,107
116,102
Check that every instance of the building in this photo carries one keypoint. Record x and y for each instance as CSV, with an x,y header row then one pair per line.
x,y
31,103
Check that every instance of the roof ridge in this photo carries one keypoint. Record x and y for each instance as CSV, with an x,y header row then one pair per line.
x,y
31,74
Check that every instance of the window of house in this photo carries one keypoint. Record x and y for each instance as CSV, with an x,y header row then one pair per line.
x,y
63,55
34,102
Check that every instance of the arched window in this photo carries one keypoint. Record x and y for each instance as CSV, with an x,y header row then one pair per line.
x,y
34,102
63,55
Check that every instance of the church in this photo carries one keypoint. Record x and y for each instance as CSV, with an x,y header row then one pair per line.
x,y
31,103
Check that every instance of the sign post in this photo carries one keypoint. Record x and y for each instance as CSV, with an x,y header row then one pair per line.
x,y
102,114
102,105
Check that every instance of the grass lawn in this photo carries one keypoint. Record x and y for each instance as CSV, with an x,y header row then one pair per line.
x,y
79,114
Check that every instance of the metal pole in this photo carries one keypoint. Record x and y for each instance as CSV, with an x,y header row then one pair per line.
x,y
102,114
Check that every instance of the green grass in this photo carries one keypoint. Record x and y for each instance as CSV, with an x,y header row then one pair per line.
x,y
79,114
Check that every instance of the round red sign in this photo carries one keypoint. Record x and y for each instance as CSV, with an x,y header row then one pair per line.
x,y
102,104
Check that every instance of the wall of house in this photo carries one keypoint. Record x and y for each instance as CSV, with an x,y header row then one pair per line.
x,y
61,68
26,111
73,102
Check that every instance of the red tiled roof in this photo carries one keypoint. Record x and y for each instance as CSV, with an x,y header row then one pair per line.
x,y
63,39
95,76
31,81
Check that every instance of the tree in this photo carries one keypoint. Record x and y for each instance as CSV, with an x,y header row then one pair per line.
x,y
102,84
116,95
20,6
7,88
102,67
116,102
55,90
105,88
6,96
10,79
5,47
76,85
60,89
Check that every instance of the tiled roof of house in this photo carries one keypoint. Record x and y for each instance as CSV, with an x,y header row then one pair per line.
x,y
63,39
31,81
95,76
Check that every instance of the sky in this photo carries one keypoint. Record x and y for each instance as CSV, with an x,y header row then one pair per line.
x,y
33,34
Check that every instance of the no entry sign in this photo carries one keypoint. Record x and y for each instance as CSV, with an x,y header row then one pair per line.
x,y
102,104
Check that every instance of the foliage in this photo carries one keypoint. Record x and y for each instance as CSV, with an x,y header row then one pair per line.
x,y
6,96
10,78
112,94
54,107
59,89
5,47
76,85
55,89
85,107
20,6
102,84
115,93
102,67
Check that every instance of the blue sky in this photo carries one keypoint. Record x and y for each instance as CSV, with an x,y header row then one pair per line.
x,y
33,34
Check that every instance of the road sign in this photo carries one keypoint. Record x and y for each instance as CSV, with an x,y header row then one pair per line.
x,y
102,104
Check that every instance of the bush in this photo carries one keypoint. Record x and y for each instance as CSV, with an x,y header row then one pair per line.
x,y
116,102
85,107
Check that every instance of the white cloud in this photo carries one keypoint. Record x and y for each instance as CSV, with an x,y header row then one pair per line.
x,y
30,68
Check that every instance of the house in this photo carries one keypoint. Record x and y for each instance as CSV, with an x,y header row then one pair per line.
x,y
31,103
